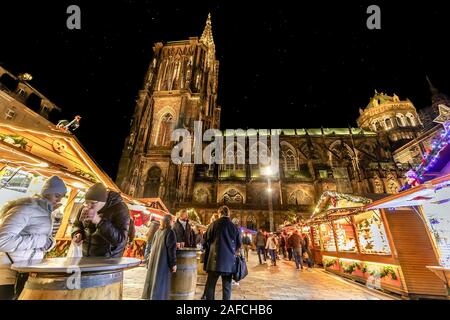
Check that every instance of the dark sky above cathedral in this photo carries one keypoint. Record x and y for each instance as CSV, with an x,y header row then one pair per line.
x,y
283,64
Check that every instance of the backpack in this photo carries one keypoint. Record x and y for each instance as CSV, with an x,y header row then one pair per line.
x,y
131,231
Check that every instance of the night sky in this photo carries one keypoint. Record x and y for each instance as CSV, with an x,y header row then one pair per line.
x,y
289,64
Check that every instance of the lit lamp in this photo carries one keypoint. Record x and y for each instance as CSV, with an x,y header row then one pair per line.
x,y
268,172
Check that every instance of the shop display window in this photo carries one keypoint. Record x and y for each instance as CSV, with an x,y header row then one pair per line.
x,y
316,236
345,235
17,184
327,236
371,233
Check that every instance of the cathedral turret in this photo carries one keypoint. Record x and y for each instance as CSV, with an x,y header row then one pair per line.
x,y
390,115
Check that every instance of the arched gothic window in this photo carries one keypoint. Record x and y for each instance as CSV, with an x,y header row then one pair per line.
x,y
151,189
165,130
232,196
289,160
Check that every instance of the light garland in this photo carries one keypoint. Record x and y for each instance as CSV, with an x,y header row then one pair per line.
x,y
432,156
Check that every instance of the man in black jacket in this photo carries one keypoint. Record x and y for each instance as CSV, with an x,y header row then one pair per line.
x,y
224,243
183,230
102,225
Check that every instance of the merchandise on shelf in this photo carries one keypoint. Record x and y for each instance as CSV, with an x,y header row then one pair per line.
x,y
345,236
371,233
327,237
316,236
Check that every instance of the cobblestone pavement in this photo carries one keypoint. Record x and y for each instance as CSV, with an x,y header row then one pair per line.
x,y
264,282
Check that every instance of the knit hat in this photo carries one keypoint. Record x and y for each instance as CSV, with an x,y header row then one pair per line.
x,y
97,192
54,185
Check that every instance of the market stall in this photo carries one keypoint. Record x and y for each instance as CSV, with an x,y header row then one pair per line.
x,y
28,157
426,198
374,245
142,214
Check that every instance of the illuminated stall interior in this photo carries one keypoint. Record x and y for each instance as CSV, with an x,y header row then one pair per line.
x,y
373,245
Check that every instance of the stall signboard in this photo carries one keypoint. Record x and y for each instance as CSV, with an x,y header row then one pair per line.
x,y
437,213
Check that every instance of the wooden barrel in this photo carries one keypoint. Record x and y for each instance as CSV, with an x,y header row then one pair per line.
x,y
201,274
85,286
184,281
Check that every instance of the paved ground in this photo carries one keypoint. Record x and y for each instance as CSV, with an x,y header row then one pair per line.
x,y
273,283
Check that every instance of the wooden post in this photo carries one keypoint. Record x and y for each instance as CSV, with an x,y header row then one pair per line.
x,y
62,229
358,245
388,233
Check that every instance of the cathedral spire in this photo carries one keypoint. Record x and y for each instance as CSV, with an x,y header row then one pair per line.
x,y
207,36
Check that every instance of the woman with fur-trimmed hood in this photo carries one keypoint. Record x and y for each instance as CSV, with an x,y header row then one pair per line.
x,y
26,231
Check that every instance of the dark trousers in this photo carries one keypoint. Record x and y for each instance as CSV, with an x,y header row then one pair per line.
x,y
283,251
211,282
273,256
310,259
298,257
289,250
261,250
7,292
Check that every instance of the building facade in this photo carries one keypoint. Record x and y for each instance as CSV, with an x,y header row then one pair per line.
x,y
22,104
180,87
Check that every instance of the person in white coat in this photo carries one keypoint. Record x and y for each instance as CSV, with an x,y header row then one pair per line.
x,y
26,232
272,246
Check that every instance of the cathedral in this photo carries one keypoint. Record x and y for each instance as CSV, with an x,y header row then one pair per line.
x,y
180,87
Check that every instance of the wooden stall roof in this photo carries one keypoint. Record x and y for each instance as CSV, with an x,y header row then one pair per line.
x,y
156,203
324,211
413,197
50,151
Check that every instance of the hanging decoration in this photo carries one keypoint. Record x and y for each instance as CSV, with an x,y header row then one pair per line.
x,y
417,176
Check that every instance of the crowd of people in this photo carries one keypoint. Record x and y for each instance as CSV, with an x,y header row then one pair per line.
x,y
291,245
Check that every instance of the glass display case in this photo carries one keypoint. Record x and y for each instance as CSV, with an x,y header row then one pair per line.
x,y
345,235
327,236
371,233
316,236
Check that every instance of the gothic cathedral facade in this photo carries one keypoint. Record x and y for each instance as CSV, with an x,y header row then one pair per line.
x,y
180,87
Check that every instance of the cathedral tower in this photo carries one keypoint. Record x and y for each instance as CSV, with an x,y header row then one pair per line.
x,y
180,87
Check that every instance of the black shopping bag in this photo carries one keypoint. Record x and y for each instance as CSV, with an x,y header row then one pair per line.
x,y
241,269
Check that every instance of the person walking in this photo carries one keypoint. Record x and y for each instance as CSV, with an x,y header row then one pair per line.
x,y
246,243
26,233
296,244
183,230
289,246
162,262
260,242
283,244
224,241
271,246
102,225
152,228
307,250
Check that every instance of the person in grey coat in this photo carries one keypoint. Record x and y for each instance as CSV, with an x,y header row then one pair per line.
x,y
152,228
224,242
26,231
162,262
